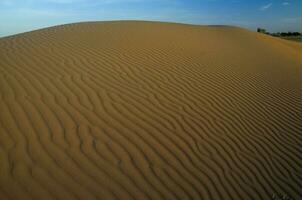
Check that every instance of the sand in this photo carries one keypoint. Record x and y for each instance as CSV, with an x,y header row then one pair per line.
x,y
148,110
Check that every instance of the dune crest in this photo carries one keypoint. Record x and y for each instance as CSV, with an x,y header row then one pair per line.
x,y
146,110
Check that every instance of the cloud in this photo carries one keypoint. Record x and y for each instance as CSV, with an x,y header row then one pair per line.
x,y
285,3
265,7
63,1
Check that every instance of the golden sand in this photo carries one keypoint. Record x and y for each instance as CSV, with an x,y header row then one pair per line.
x,y
145,110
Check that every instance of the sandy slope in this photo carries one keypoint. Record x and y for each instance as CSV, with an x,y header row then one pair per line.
x,y
141,110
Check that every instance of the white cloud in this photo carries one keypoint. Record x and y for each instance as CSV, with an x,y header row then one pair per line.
x,y
265,7
63,1
285,3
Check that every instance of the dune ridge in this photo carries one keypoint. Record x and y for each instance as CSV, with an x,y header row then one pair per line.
x,y
148,110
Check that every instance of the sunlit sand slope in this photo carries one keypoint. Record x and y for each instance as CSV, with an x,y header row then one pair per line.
x,y
142,110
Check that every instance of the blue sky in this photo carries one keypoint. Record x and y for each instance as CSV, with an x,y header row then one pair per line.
x,y
275,15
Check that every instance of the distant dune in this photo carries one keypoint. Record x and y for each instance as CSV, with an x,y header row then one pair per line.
x,y
148,110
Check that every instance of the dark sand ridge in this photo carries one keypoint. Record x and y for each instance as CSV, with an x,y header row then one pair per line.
x,y
143,110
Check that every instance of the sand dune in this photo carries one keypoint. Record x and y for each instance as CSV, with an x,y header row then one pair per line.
x,y
143,110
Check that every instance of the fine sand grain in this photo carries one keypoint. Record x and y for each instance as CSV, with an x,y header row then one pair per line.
x,y
145,110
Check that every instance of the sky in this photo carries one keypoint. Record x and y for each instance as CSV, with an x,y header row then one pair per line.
x,y
17,16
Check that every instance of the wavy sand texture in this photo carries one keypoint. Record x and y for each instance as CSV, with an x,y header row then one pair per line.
x,y
143,110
